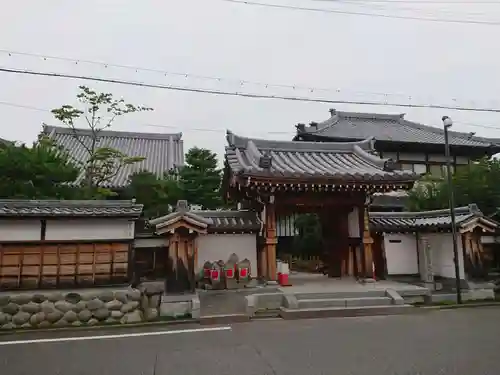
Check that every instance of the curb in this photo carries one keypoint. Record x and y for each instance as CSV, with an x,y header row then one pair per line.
x,y
100,327
457,306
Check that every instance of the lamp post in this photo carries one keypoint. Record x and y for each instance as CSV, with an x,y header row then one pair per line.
x,y
447,123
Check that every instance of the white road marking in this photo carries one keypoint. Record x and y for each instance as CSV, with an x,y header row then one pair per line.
x,y
106,337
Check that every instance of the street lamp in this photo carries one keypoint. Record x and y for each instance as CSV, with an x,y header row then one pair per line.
x,y
447,123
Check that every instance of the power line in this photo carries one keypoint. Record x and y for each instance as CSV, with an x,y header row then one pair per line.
x,y
244,94
238,82
430,2
367,14
23,106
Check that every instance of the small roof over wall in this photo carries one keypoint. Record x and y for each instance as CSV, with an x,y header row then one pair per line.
x,y
223,221
467,218
10,208
257,160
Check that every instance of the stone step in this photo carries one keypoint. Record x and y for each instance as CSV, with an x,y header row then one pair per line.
x,y
330,295
224,319
332,312
344,302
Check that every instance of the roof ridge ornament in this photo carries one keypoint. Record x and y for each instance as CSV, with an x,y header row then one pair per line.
x,y
266,161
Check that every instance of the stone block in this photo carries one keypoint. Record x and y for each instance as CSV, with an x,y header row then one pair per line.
x,y
55,296
9,325
45,324
70,316
20,318
101,314
38,298
79,306
150,314
396,298
134,295
251,302
174,309
195,307
63,306
89,295
20,299
154,301
54,316
268,301
121,296
368,301
129,306
84,315
106,296
11,308
4,300
290,301
116,314
114,305
4,318
95,304
31,307
37,318
61,323
132,317
73,298
47,307
77,323
92,322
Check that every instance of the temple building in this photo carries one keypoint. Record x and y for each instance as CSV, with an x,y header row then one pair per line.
x,y
416,147
334,180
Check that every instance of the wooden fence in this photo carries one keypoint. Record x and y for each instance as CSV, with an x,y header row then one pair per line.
x,y
62,265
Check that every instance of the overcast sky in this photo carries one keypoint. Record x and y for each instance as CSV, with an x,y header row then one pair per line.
x,y
355,56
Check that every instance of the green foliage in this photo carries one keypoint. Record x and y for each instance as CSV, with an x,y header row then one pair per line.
x,y
308,240
40,172
200,179
99,111
156,194
478,183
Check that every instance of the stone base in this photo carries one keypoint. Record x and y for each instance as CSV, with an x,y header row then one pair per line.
x,y
178,306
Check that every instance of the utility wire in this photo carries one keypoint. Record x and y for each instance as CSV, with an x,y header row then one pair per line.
x,y
15,105
244,94
238,82
336,11
429,2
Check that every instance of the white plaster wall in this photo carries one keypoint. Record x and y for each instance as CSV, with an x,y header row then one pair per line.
x,y
150,242
214,247
20,230
442,255
401,256
353,223
89,229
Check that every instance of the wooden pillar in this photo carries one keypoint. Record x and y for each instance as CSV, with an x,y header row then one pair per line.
x,y
366,245
270,240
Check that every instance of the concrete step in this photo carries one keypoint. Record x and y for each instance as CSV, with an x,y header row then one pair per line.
x,y
344,302
332,312
330,295
224,319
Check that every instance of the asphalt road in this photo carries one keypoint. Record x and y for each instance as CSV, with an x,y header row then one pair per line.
x,y
465,342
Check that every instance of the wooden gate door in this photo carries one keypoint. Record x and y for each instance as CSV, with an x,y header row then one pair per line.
x,y
181,260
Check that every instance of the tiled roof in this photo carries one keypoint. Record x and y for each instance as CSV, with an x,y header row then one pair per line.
x,y
343,161
69,208
162,151
388,127
231,221
226,221
427,220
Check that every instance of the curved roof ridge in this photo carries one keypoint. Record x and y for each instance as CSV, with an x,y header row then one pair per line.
x,y
470,209
51,130
235,141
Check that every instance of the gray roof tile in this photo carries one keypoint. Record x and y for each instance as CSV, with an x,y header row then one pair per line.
x,y
426,220
389,127
69,208
162,151
343,161
231,221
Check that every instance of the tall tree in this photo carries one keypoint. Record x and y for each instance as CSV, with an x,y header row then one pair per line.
x,y
157,195
477,183
200,179
40,172
98,112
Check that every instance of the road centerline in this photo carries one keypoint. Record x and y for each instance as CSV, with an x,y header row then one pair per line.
x,y
119,336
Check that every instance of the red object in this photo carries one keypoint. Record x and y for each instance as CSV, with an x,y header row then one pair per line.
x,y
230,273
243,273
214,275
206,273
283,279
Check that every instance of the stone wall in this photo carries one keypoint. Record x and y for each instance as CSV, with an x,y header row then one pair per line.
x,y
45,309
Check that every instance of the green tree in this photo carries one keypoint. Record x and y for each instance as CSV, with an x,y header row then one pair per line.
x,y
40,172
98,112
309,238
200,179
477,183
157,195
